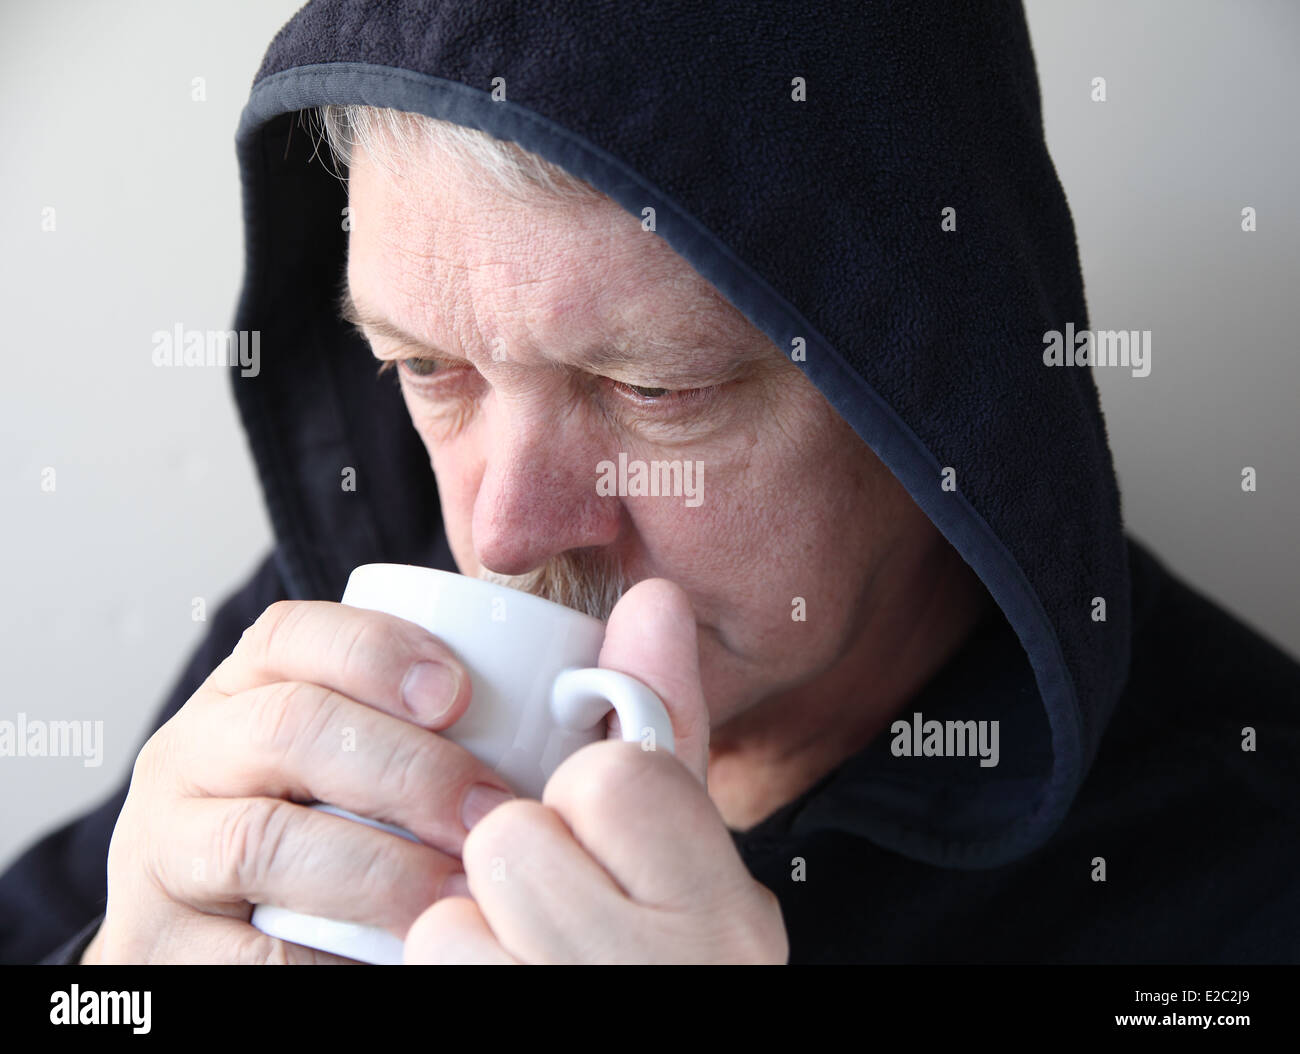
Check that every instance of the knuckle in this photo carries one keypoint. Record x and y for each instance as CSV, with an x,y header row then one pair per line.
x,y
284,715
359,642
427,931
152,760
276,953
506,832
224,676
147,761
414,761
385,875
432,919
248,841
257,949
280,953
271,628
609,773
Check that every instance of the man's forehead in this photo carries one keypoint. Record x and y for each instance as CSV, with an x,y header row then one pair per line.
x,y
633,297
428,204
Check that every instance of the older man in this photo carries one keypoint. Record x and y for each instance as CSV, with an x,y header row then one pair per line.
x,y
813,255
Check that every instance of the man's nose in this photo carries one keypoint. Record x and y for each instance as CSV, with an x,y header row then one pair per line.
x,y
537,496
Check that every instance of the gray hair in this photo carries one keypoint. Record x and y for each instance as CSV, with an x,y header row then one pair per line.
x,y
386,134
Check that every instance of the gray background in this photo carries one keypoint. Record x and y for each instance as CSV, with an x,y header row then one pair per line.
x,y
156,500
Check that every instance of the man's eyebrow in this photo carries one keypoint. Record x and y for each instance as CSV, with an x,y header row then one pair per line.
x,y
604,357
365,322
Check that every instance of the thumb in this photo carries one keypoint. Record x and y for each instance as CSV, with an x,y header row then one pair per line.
x,y
651,636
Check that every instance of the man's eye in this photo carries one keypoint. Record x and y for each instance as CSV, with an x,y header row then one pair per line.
x,y
417,366
421,367
646,393
670,400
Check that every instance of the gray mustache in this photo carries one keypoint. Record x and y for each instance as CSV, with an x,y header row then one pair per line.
x,y
590,582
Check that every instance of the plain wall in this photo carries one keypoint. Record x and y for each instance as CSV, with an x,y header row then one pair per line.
x,y
156,502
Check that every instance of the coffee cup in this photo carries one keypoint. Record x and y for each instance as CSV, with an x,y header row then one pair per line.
x,y
537,696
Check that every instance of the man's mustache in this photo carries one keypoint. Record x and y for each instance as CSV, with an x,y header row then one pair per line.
x,y
587,580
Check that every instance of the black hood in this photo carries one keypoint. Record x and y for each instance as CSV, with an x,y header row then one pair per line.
x,y
821,220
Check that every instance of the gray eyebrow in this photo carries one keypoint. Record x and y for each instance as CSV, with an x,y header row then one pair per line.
x,y
603,357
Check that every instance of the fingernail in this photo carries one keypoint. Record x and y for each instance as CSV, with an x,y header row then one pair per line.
x,y
430,689
480,801
456,886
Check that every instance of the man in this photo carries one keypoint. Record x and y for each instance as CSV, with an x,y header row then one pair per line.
x,y
930,703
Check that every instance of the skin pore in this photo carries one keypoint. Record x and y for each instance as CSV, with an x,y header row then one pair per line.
x,y
541,337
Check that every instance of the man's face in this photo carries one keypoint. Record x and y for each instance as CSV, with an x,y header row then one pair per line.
x,y
507,304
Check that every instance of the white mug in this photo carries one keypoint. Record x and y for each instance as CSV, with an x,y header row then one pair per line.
x,y
537,697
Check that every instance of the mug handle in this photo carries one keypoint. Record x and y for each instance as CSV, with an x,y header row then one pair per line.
x,y
580,698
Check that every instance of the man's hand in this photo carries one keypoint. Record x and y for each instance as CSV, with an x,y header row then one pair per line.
x,y
626,859
317,701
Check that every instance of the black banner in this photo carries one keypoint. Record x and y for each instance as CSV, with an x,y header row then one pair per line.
x,y
142,1003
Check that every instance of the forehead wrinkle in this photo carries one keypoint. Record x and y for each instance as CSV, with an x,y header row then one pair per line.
x,y
701,331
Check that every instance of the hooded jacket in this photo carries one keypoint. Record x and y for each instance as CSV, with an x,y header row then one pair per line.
x,y
804,159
